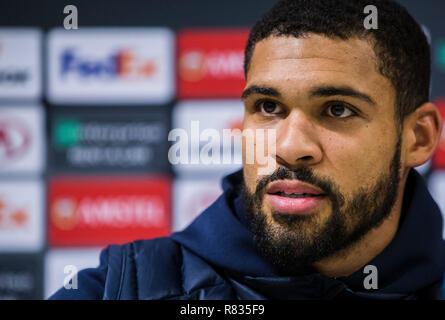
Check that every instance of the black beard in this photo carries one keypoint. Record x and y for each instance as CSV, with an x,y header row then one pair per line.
x,y
295,242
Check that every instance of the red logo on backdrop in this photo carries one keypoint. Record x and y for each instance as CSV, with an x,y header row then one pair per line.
x,y
15,139
439,156
210,63
102,211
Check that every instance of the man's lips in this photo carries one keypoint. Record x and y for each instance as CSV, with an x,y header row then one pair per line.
x,y
293,197
292,186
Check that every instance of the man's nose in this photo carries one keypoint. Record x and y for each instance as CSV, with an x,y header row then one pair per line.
x,y
297,143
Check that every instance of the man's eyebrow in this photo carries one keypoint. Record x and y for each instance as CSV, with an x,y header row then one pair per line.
x,y
340,91
268,91
327,91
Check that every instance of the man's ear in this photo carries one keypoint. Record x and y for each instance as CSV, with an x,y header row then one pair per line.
x,y
422,130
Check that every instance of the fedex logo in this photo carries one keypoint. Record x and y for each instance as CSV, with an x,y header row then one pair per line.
x,y
123,63
113,66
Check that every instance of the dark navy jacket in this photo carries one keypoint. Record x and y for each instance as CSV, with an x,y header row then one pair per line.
x,y
215,257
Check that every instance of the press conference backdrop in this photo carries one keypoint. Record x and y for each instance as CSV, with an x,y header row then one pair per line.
x,y
85,116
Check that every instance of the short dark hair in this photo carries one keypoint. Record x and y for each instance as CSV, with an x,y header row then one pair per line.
x,y
399,43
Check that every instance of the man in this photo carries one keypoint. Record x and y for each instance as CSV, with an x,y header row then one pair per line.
x,y
342,215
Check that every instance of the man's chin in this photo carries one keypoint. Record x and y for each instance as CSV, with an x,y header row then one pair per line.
x,y
309,221
287,241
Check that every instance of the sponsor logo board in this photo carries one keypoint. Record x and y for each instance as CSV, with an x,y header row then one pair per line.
x,y
210,63
110,66
438,160
21,276
196,117
107,210
191,197
22,143
21,216
436,185
110,141
63,264
20,63
440,54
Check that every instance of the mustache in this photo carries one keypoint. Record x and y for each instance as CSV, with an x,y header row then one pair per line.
x,y
303,174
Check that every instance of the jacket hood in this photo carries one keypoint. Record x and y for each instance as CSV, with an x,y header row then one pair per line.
x,y
414,260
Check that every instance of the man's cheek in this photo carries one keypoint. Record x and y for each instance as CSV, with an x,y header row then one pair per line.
x,y
259,150
250,178
350,166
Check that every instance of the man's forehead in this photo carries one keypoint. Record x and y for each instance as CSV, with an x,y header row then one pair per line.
x,y
316,59
313,52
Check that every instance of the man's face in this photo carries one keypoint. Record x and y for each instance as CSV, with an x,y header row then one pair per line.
x,y
337,153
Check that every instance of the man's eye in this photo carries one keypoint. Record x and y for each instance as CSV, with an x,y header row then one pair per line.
x,y
269,107
339,111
